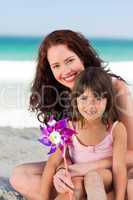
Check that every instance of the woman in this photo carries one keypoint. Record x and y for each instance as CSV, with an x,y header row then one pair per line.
x,y
63,54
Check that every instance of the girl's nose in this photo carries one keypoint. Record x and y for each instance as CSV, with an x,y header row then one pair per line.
x,y
91,102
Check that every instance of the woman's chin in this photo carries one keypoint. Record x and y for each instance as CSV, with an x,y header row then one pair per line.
x,y
69,85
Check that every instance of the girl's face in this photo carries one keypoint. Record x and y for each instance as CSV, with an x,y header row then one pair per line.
x,y
90,105
65,64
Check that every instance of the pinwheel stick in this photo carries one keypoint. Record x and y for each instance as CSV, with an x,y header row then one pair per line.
x,y
56,134
66,168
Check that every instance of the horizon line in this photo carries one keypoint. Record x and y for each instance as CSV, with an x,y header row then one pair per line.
x,y
42,36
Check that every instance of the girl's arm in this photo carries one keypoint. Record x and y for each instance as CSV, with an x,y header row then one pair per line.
x,y
119,161
48,173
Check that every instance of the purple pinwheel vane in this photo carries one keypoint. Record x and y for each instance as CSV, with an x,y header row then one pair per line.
x,y
56,134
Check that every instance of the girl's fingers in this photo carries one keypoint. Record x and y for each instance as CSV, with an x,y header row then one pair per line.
x,y
65,177
66,180
60,186
63,182
63,172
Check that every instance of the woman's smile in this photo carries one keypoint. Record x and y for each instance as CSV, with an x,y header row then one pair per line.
x,y
65,64
70,77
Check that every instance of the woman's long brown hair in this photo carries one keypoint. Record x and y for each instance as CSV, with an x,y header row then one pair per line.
x,y
48,96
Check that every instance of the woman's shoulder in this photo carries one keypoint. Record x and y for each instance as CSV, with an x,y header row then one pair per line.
x,y
118,129
119,84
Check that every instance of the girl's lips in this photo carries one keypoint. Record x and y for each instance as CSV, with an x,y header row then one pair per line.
x,y
91,112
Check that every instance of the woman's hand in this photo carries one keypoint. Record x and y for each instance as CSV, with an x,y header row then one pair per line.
x,y
79,169
63,182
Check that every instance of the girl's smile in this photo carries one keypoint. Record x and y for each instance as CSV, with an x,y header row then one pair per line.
x,y
89,106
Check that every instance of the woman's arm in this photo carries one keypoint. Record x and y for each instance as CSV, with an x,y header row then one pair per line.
x,y
48,173
119,161
124,105
82,168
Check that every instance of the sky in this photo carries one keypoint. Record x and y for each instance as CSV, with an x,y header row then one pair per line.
x,y
96,18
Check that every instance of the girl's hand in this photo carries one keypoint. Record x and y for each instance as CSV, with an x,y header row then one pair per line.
x,y
62,181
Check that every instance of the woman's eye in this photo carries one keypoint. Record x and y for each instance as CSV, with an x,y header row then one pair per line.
x,y
69,61
56,66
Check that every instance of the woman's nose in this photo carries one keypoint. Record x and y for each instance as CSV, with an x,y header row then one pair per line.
x,y
66,70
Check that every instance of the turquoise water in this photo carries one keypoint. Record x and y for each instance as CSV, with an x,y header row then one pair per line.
x,y
26,48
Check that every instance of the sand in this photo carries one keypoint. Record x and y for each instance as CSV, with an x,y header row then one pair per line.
x,y
19,146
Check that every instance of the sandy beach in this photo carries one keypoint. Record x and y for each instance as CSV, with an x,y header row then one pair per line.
x,y
18,146
19,129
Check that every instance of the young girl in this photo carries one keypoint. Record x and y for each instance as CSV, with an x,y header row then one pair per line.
x,y
99,136
63,54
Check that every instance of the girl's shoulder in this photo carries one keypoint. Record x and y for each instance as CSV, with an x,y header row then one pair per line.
x,y
71,124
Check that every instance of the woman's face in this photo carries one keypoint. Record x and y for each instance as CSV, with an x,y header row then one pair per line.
x,y
90,105
65,64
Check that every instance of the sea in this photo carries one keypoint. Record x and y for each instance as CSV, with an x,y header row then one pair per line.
x,y
26,48
18,58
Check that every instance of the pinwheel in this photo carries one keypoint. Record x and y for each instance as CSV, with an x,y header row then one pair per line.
x,y
56,134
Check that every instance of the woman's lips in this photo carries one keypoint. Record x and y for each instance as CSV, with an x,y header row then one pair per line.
x,y
70,77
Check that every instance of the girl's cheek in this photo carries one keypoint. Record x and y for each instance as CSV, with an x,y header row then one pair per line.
x,y
103,107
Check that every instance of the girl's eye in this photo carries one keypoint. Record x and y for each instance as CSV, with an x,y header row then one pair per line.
x,y
99,98
83,98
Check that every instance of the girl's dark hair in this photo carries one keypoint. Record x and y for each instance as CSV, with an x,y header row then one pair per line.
x,y
100,83
45,90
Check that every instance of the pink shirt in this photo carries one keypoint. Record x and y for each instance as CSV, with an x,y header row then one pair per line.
x,y
80,153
